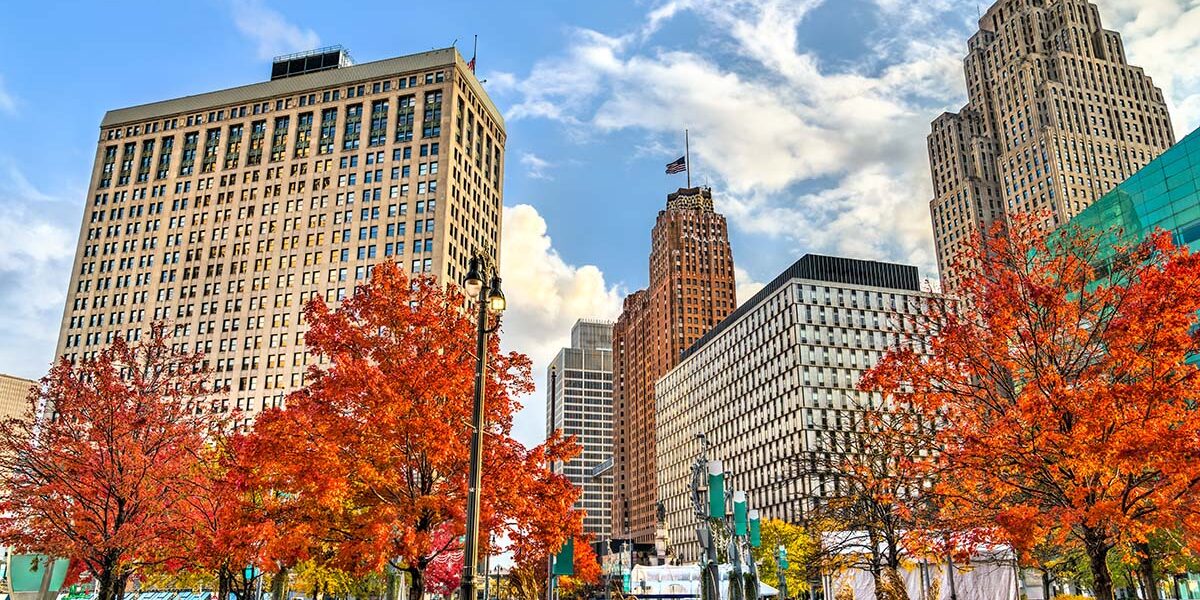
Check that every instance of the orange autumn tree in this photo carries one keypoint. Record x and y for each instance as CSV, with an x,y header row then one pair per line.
x,y
1061,382
101,477
369,462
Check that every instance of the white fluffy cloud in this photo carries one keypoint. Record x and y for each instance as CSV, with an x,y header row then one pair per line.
x,y
746,285
825,159
37,247
8,104
535,166
271,32
1160,36
546,295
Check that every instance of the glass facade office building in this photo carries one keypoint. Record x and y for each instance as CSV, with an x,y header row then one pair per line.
x,y
1164,194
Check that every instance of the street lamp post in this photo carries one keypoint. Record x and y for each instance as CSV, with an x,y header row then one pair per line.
x,y
489,298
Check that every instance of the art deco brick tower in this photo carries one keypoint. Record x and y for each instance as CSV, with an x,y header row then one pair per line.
x,y
691,289
1055,118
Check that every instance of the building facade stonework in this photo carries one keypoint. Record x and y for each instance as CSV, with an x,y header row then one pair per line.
x,y
691,289
224,213
775,383
580,405
1055,118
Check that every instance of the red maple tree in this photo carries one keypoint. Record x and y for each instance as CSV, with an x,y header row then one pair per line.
x,y
369,461
99,477
1062,386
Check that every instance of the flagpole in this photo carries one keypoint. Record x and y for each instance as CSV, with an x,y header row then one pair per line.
x,y
687,158
474,52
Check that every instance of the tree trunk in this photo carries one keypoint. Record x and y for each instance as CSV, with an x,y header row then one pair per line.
x,y
111,581
1146,571
223,584
416,583
1097,552
279,584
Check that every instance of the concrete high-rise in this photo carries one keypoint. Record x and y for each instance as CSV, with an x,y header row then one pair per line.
x,y
691,289
775,383
579,404
224,212
1055,118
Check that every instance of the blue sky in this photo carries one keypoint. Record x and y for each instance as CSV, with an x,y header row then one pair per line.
x,y
808,118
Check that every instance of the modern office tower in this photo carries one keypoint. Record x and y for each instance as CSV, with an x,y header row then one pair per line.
x,y
1055,118
14,396
223,213
579,403
775,381
691,289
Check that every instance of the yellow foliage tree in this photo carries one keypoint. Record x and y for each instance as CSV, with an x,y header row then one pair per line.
x,y
801,550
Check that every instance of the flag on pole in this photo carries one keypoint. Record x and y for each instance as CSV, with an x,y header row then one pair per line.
x,y
679,165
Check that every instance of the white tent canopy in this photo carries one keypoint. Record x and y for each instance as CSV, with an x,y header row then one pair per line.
x,y
681,580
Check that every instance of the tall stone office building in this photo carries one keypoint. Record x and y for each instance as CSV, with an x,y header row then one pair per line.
x,y
1055,118
775,383
223,213
580,405
691,289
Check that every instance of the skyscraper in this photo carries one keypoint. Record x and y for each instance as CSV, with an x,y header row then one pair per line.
x,y
580,405
224,212
774,384
1055,118
691,289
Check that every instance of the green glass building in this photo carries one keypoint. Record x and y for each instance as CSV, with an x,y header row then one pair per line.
x,y
1164,194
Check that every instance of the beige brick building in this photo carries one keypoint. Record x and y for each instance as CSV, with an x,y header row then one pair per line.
x,y
14,396
225,212
1055,118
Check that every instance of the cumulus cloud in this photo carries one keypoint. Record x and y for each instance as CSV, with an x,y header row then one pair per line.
x,y
546,295
746,285
8,104
1160,36
37,248
271,32
826,159
536,166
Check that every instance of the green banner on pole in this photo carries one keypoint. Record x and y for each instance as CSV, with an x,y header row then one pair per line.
x,y
716,490
564,562
739,513
755,531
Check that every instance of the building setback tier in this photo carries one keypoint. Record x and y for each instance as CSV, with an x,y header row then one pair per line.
x,y
1055,117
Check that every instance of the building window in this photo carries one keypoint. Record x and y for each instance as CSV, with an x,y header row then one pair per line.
x,y
432,115
212,141
146,161
377,136
187,164
353,127
110,158
405,116
258,131
303,134
279,138
164,158
126,163
233,147
328,127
